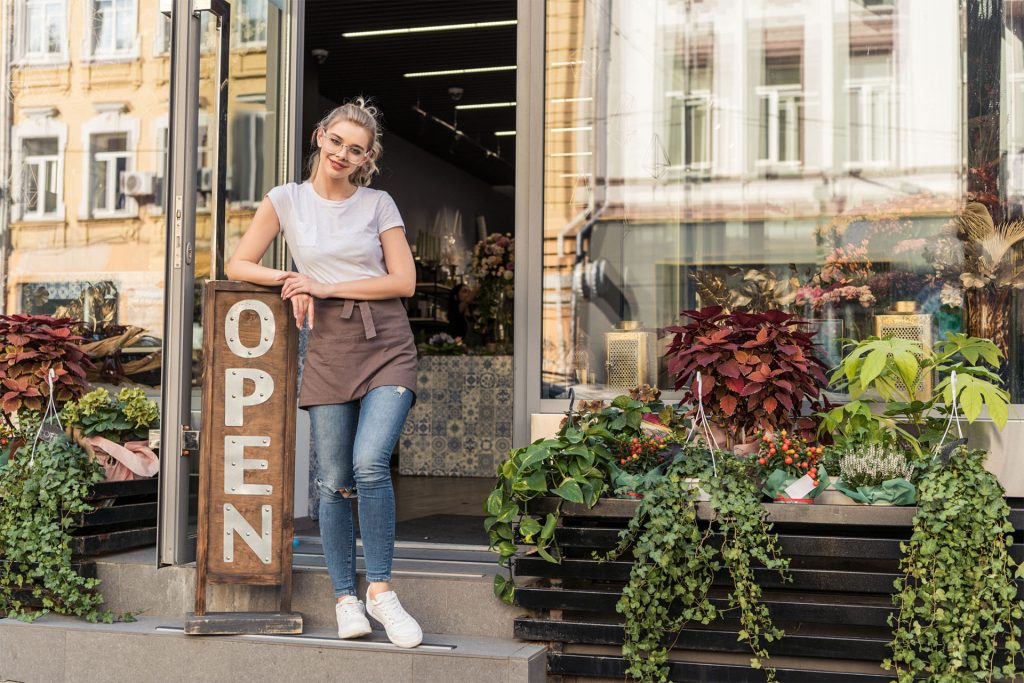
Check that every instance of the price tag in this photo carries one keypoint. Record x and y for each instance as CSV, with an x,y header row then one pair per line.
x,y
801,487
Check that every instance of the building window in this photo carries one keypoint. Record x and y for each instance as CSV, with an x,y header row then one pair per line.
x,y
870,95
780,118
41,180
109,159
114,28
689,117
44,30
246,175
251,23
162,42
204,175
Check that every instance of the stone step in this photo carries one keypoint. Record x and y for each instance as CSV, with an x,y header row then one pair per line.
x,y
446,596
67,650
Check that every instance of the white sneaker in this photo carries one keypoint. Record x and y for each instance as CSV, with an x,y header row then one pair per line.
x,y
352,621
401,628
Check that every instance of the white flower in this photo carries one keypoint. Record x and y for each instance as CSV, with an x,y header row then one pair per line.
x,y
951,296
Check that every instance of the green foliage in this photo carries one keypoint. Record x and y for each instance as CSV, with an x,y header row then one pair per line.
x,y
893,368
126,417
853,425
39,498
676,560
958,597
575,466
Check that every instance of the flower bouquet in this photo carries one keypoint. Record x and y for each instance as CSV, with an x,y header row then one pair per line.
x,y
790,468
493,266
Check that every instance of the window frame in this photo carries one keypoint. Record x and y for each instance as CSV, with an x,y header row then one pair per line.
x,y
37,123
773,94
237,41
41,161
111,121
871,87
93,52
684,100
25,57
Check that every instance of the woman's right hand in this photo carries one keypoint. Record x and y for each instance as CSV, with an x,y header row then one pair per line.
x,y
302,309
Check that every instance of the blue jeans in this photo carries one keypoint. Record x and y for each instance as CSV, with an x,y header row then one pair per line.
x,y
354,442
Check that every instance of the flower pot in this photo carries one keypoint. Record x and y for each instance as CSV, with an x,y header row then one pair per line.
x,y
831,496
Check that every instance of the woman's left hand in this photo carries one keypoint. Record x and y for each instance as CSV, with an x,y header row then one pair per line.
x,y
297,283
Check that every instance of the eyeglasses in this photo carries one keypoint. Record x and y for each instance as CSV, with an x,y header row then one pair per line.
x,y
353,153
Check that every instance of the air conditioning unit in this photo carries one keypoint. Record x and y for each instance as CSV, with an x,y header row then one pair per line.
x,y
137,183
204,179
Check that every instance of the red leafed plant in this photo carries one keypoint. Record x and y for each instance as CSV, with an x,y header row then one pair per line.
x,y
32,345
756,369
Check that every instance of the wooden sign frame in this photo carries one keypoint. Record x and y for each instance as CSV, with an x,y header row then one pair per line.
x,y
247,451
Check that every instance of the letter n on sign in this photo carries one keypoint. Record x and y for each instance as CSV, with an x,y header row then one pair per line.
x,y
247,468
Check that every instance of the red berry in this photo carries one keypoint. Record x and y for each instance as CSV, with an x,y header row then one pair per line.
x,y
789,460
762,461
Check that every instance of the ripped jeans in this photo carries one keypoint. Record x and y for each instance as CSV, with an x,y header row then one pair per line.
x,y
354,442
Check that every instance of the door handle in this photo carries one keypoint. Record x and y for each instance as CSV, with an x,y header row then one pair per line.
x,y
221,10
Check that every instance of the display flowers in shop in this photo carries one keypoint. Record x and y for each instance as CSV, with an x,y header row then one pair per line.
x,y
493,266
782,459
640,459
113,430
443,344
844,277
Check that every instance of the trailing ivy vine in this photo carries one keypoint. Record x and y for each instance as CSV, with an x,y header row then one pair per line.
x,y
675,561
957,599
40,494
574,466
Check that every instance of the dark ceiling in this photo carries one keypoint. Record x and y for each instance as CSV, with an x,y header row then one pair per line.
x,y
374,66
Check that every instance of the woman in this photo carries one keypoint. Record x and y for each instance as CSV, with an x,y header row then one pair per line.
x,y
348,243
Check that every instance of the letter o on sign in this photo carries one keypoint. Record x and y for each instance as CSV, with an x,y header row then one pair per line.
x,y
267,328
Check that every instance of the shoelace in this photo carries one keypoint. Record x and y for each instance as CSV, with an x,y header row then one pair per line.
x,y
391,610
350,607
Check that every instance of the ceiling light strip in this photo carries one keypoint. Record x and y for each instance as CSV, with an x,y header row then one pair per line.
x,y
504,133
566,100
573,129
484,105
456,72
429,29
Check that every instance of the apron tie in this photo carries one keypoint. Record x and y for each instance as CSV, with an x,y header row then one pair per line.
x,y
365,314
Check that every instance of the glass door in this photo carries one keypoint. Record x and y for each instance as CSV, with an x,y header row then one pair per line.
x,y
232,71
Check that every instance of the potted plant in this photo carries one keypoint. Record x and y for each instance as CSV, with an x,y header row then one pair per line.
x,y
887,373
877,474
34,345
443,344
114,430
789,468
756,369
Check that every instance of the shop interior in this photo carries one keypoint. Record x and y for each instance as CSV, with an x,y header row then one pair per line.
x,y
443,75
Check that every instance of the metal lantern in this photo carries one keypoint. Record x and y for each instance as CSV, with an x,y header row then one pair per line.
x,y
904,322
630,356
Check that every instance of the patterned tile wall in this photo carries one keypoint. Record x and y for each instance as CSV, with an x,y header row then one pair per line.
x,y
461,425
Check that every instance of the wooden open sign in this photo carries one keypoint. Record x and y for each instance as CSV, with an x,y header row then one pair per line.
x,y
247,445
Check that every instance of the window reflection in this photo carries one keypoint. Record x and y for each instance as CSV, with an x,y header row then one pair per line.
x,y
789,154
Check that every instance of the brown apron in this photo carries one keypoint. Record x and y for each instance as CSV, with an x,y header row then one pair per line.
x,y
356,346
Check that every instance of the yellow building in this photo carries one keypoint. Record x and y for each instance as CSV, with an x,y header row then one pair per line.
x,y
89,85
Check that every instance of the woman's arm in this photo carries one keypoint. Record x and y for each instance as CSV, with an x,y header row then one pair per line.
x,y
244,264
399,282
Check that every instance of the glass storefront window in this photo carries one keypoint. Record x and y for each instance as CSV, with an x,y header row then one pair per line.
x,y
794,154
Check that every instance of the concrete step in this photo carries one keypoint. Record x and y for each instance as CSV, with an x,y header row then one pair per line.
x,y
453,597
66,650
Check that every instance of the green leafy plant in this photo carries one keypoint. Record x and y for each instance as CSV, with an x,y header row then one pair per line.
x,y
676,558
957,598
40,494
893,369
31,346
128,416
574,466
757,369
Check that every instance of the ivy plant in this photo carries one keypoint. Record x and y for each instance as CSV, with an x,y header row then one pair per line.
x,y
957,599
41,492
574,466
676,558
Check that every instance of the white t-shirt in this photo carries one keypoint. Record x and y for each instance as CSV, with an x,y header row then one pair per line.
x,y
335,241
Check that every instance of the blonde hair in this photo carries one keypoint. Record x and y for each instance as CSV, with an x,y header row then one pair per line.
x,y
365,115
